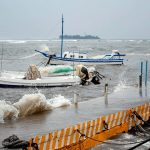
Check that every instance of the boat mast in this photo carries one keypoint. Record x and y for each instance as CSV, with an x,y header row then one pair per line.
x,y
1,61
62,35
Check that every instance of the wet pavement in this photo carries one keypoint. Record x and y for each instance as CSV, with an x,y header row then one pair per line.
x,y
63,117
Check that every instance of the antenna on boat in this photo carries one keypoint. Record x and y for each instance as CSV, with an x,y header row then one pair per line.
x,y
62,35
1,60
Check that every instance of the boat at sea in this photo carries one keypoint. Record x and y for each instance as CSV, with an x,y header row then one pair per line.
x,y
52,76
67,57
74,58
55,81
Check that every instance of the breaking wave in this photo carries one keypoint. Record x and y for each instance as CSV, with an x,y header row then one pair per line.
x,y
121,85
138,54
122,82
30,104
16,41
30,56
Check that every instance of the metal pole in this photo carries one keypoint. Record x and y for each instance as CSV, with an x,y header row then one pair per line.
x,y
140,77
106,94
75,98
140,81
146,73
1,61
62,35
141,68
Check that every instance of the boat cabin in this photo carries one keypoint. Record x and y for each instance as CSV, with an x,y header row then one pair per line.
x,y
75,55
114,55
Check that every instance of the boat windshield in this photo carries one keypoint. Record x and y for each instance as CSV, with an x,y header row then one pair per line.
x,y
107,57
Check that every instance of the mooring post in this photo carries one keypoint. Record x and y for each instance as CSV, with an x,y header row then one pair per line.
x,y
140,81
75,98
106,93
140,76
146,73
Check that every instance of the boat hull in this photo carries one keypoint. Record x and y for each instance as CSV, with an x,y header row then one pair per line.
x,y
85,62
111,59
44,82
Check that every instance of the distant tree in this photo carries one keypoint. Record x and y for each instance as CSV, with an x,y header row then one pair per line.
x,y
79,37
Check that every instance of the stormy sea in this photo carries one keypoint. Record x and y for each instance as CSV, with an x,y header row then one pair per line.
x,y
27,112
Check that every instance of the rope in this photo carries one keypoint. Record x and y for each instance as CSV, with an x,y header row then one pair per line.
x,y
106,142
141,143
140,118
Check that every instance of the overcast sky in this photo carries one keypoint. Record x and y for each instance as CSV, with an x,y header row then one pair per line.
x,y
108,19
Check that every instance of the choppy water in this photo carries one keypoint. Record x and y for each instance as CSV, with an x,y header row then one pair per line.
x,y
19,104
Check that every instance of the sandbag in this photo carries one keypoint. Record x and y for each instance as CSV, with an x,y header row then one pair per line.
x,y
14,142
32,73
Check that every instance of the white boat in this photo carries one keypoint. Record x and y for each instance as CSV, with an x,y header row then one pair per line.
x,y
70,58
76,58
12,79
50,76
43,82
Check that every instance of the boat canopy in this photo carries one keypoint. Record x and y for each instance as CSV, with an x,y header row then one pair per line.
x,y
76,55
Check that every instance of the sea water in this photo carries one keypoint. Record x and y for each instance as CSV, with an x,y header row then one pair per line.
x,y
21,109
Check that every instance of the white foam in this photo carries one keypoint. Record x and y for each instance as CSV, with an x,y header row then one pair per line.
x,y
7,111
12,74
121,85
30,56
139,54
16,41
30,104
122,82
59,101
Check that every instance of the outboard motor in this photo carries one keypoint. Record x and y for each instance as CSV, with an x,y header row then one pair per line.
x,y
88,75
97,77
95,80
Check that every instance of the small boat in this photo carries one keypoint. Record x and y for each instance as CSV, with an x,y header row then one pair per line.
x,y
55,78
51,76
76,58
70,58
57,81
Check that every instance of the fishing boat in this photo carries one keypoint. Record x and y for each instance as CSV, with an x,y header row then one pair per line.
x,y
70,58
115,58
56,81
49,77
